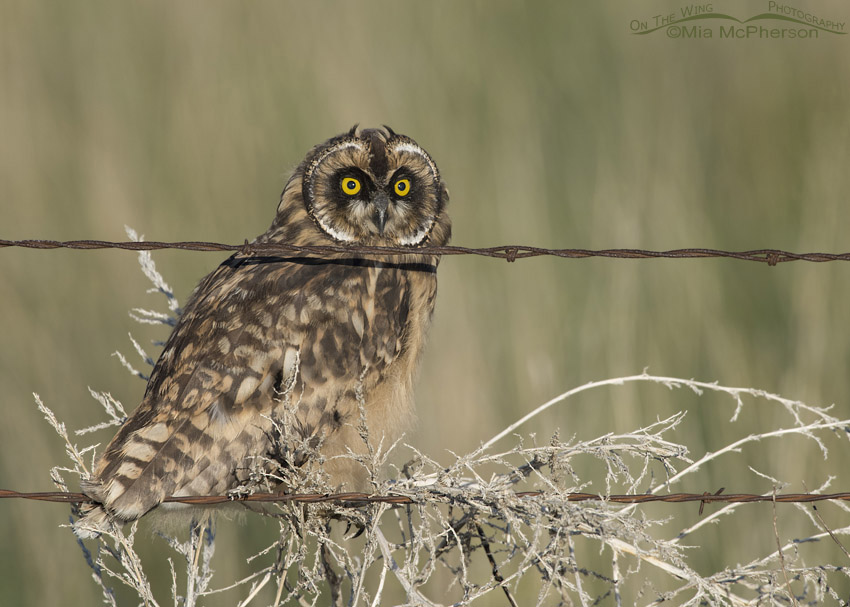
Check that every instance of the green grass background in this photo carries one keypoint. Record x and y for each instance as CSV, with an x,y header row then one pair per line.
x,y
552,125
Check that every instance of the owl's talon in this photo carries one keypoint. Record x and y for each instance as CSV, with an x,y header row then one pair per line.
x,y
359,531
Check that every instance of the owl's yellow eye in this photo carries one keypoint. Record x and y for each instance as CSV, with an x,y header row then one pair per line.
x,y
350,186
402,187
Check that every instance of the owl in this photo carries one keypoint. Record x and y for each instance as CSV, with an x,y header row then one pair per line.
x,y
339,334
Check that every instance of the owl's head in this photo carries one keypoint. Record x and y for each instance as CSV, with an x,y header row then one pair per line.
x,y
372,187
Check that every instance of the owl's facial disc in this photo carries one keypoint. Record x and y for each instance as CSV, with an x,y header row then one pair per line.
x,y
334,185
375,188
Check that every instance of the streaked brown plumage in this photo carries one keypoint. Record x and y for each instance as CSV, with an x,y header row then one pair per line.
x,y
326,328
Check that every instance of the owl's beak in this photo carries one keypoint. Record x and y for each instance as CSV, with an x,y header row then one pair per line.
x,y
381,203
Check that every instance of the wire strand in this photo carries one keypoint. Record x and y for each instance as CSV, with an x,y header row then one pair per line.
x,y
366,498
507,252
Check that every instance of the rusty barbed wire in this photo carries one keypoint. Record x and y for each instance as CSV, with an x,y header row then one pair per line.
x,y
367,498
507,252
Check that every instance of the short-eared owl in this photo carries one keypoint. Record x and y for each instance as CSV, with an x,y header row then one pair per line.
x,y
342,332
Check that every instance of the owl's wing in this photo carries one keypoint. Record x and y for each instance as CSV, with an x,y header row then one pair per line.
x,y
214,388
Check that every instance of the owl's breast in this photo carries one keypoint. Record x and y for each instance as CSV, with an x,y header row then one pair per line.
x,y
359,329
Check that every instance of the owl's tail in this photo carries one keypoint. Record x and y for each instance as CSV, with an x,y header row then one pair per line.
x,y
92,524
95,519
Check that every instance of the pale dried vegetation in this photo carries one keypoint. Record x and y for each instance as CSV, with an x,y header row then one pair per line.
x,y
468,538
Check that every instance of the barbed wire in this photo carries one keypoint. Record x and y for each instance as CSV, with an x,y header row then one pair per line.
x,y
367,498
508,252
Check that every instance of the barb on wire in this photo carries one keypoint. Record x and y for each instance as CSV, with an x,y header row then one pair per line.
x,y
507,252
367,498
